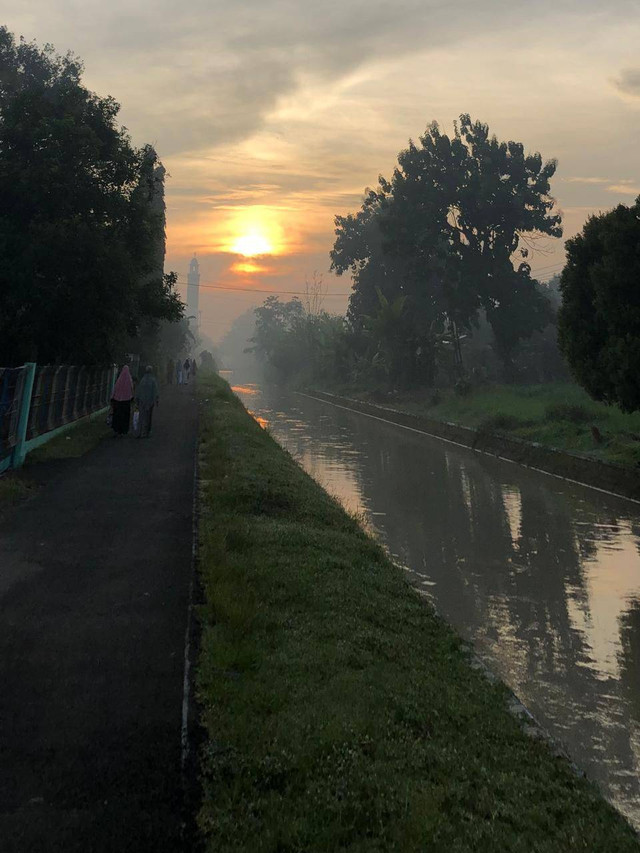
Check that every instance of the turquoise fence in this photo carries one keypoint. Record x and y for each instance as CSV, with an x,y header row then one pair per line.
x,y
38,403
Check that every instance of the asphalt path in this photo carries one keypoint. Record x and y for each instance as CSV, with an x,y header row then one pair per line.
x,y
95,573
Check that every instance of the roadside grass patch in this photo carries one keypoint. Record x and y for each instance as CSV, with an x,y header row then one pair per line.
x,y
13,489
77,441
502,423
572,412
341,713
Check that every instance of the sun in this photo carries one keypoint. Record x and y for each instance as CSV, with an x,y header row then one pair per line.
x,y
252,244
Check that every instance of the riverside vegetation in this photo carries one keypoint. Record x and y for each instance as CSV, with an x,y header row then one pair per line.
x,y
560,415
341,712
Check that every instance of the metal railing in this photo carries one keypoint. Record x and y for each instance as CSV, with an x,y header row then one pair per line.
x,y
64,394
11,384
37,403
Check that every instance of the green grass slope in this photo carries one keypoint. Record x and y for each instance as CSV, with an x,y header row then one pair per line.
x,y
341,713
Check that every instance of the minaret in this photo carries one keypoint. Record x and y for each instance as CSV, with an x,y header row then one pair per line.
x,y
193,294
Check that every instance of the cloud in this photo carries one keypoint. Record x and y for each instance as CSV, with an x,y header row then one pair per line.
x,y
628,82
209,72
586,180
624,188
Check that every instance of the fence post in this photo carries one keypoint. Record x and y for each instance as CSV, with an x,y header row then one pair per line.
x,y
19,452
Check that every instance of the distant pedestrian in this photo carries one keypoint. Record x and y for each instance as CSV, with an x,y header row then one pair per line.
x,y
146,397
194,369
178,372
170,371
121,402
187,369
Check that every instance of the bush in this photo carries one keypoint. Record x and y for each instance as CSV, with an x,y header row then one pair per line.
x,y
572,412
501,423
462,388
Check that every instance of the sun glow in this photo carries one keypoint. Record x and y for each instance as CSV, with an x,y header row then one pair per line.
x,y
255,232
252,244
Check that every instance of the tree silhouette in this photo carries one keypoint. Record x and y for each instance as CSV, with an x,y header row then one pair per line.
x,y
599,321
81,216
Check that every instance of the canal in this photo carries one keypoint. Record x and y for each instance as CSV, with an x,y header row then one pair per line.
x,y
542,576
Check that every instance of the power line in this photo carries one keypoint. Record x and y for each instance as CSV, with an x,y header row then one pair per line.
x,y
258,290
556,264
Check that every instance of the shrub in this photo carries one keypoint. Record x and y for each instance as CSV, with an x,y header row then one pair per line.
x,y
462,387
501,423
572,412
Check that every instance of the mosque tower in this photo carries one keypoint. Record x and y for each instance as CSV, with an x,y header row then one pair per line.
x,y
193,294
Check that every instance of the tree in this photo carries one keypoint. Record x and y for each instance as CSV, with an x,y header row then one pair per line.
x,y
207,360
378,275
273,339
454,227
235,350
599,320
81,216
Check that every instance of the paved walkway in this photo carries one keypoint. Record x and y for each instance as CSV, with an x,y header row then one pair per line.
x,y
94,583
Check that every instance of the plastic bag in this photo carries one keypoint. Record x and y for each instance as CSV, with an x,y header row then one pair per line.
x,y
136,421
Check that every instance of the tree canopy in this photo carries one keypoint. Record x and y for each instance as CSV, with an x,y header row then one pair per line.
x,y
452,231
599,320
81,216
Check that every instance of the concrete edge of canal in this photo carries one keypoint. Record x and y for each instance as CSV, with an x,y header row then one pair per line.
x,y
616,480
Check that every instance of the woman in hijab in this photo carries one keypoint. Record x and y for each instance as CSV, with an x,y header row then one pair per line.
x,y
146,398
121,402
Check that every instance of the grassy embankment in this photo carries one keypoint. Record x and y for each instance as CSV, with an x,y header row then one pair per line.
x,y
341,713
558,415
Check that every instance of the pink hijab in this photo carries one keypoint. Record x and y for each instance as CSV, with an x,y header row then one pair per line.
x,y
123,389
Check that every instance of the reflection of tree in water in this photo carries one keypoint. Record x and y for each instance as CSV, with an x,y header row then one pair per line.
x,y
629,657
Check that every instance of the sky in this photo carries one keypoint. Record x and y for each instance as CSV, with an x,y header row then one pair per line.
x,y
273,116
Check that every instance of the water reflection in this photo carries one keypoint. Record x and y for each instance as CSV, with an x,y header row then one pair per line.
x,y
542,576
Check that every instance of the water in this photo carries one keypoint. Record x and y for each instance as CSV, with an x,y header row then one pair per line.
x,y
543,577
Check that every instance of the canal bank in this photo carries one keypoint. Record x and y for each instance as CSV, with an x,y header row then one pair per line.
x,y
342,714
618,480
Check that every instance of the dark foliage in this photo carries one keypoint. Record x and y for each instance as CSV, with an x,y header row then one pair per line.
x,y
81,216
450,232
599,321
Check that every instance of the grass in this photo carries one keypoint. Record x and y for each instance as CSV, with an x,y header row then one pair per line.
x,y
341,713
559,415
13,489
76,442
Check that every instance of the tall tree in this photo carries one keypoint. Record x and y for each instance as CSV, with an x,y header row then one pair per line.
x,y
599,320
455,225
81,216
274,339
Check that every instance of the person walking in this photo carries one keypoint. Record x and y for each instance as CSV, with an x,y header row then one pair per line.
x,y
178,372
121,402
194,369
147,397
187,369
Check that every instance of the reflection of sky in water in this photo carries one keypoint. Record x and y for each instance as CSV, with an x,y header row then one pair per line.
x,y
543,576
